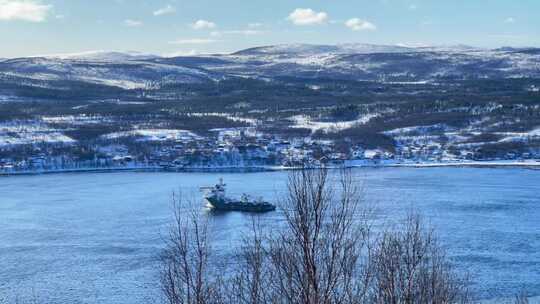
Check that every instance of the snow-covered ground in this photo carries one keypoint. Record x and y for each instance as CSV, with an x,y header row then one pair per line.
x,y
447,163
419,130
30,132
229,116
129,70
520,136
102,55
76,120
306,122
154,135
242,166
121,83
495,163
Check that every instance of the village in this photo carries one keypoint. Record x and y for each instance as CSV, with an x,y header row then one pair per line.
x,y
233,149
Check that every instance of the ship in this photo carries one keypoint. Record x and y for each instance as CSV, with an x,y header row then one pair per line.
x,y
215,197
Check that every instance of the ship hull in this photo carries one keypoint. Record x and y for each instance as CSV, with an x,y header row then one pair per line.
x,y
222,205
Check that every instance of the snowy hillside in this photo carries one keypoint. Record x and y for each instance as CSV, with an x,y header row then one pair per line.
x,y
375,62
357,62
358,102
110,56
121,72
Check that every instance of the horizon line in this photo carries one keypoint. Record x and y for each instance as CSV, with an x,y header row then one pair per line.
x,y
82,53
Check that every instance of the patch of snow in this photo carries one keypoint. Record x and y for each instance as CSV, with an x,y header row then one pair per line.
x,y
121,83
28,132
520,136
153,135
228,116
407,82
305,122
418,130
131,102
76,120
4,98
533,89
370,154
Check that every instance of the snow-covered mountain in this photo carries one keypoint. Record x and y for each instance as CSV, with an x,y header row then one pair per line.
x,y
356,62
110,56
351,48
375,62
310,49
114,70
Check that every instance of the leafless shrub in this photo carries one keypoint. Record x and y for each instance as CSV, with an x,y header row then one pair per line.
x,y
186,276
250,281
410,266
316,258
522,298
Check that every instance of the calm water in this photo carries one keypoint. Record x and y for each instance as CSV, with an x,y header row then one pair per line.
x,y
94,238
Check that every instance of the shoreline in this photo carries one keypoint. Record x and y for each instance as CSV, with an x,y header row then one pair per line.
x,y
232,169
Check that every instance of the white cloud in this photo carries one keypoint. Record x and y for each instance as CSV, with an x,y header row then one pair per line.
x,y
307,16
193,41
357,24
203,24
165,10
132,23
510,20
413,7
24,10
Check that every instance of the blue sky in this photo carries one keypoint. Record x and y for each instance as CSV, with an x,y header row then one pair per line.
x,y
38,27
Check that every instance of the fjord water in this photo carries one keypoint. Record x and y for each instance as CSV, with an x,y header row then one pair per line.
x,y
96,238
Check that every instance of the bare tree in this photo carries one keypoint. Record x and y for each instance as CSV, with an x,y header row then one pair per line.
x,y
252,275
410,266
186,276
324,254
317,257
522,298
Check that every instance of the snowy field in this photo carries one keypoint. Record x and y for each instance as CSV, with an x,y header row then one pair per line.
x,y
30,132
63,237
303,121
